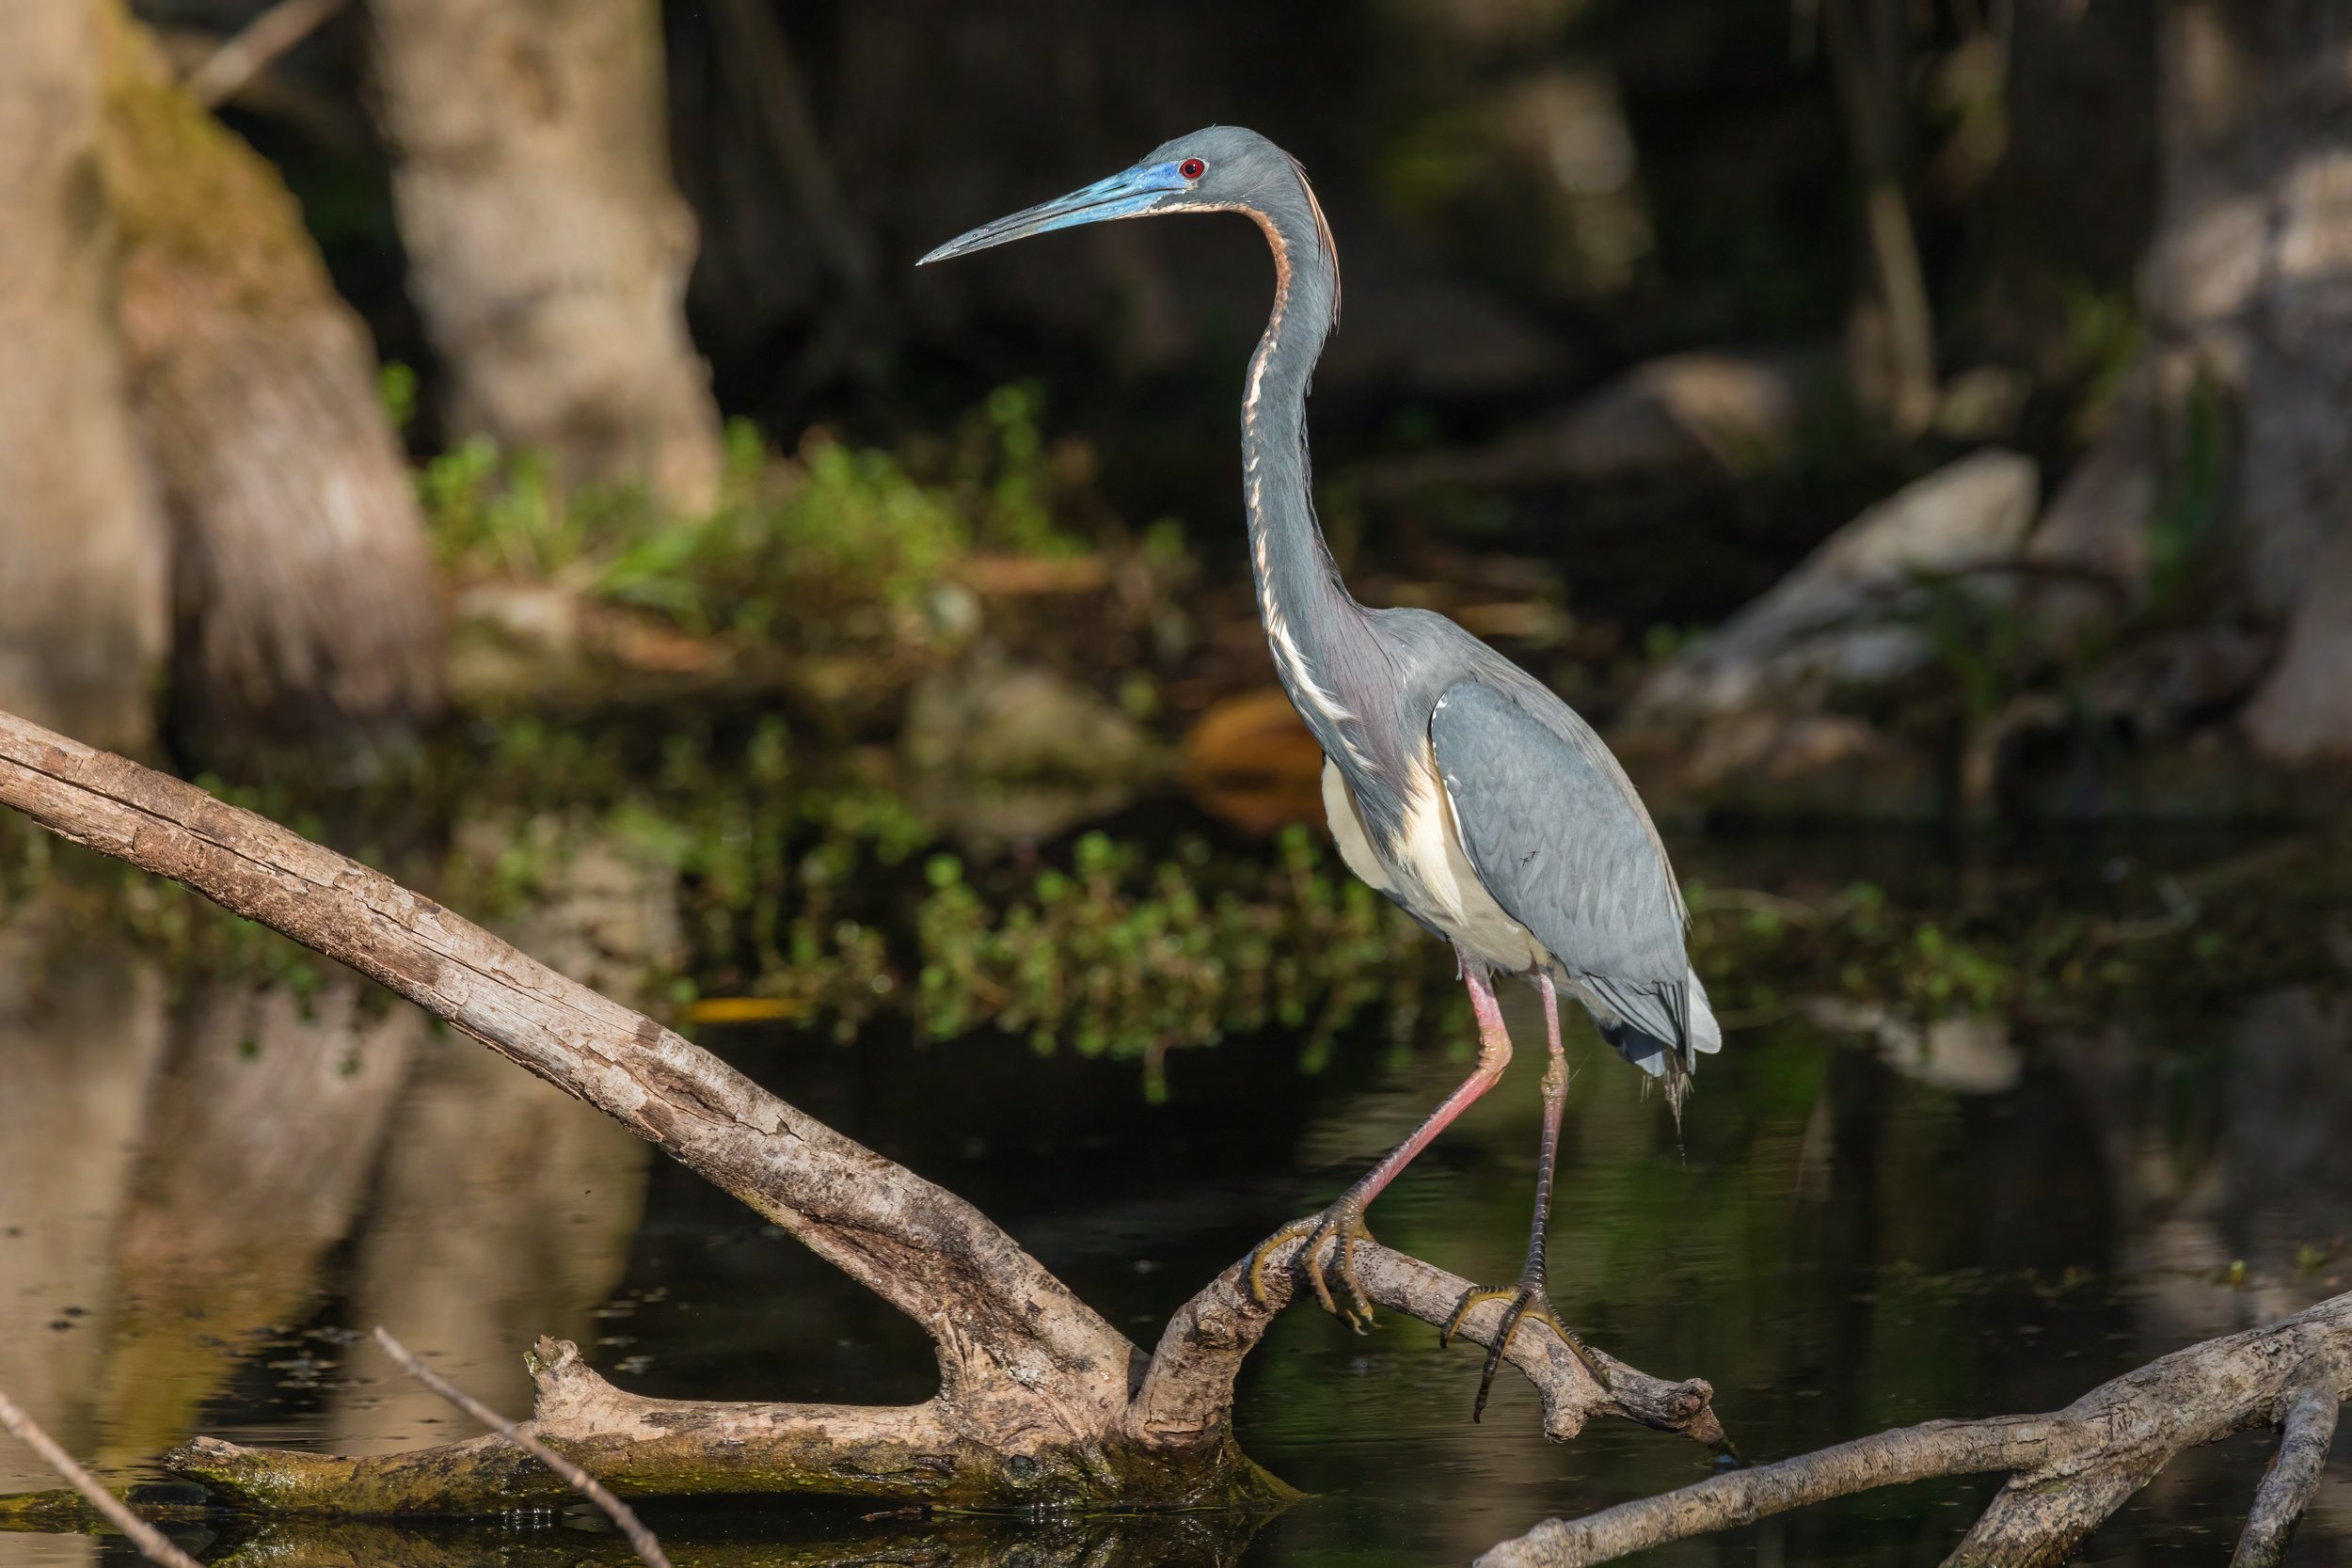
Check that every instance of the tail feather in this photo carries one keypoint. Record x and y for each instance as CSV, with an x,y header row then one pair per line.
x,y
1706,1034
1672,1062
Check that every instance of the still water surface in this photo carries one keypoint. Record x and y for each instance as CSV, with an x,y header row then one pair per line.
x,y
1854,1229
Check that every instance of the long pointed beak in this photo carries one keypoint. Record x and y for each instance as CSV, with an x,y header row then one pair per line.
x,y
1129,194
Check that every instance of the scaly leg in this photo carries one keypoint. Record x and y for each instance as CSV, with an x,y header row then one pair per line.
x,y
1342,1224
1526,1297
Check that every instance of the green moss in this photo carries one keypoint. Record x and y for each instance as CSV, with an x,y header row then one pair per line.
x,y
187,193
486,1478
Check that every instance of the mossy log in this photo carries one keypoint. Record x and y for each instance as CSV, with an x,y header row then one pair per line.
x,y
1042,1402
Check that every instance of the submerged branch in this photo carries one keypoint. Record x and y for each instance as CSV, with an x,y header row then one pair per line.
x,y
2068,1470
641,1539
1040,1400
152,1544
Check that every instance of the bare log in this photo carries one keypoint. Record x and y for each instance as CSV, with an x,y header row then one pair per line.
x,y
641,1539
2310,1429
2068,1470
1039,1400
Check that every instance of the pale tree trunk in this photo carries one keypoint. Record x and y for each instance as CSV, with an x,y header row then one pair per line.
x,y
303,593
548,244
82,619
2248,293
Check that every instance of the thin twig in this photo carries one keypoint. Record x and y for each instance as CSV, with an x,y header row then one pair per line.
x,y
255,46
581,1480
152,1544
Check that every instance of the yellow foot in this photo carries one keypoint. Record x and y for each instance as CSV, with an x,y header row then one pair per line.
x,y
1527,1301
1343,1226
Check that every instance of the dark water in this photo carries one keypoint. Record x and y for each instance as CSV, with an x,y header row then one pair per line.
x,y
202,1196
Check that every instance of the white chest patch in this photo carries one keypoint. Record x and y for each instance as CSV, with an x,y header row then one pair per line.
x,y
1427,871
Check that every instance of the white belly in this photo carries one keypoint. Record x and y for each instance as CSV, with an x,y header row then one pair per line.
x,y
1427,871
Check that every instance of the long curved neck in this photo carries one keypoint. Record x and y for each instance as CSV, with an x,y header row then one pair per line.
x,y
1316,631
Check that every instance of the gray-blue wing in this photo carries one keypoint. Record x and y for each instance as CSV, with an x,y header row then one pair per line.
x,y
1553,833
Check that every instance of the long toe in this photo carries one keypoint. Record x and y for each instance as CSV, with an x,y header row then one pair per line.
x,y
1340,1227
1525,1302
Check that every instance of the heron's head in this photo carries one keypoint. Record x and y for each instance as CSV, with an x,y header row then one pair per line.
x,y
1220,169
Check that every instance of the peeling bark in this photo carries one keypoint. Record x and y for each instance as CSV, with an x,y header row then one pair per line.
x,y
1040,1400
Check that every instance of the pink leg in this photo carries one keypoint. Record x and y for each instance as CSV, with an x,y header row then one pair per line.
x,y
1494,1055
1527,1298
1344,1222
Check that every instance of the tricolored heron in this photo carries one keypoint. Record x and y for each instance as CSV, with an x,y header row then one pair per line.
x,y
1455,783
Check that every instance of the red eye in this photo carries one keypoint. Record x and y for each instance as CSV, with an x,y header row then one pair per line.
x,y
1192,168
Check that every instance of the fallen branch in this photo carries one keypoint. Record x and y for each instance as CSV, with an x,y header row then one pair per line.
x,y
153,1544
2304,1438
624,1518
2067,1471
1040,1400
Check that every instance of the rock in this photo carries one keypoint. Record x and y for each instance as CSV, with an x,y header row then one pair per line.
x,y
2303,713
1849,614
1963,1054
1709,415
602,906
1000,753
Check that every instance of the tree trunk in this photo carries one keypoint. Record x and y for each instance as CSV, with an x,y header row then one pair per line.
x,y
82,594
2238,409
548,244
303,593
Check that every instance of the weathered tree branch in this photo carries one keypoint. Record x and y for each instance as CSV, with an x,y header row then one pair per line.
x,y
2308,1430
1039,1400
2068,1470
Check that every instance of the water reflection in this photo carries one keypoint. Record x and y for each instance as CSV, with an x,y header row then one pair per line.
x,y
1863,1222
84,1033
703,1541
261,1131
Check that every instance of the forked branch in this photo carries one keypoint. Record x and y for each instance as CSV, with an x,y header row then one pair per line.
x,y
2067,1471
1040,1399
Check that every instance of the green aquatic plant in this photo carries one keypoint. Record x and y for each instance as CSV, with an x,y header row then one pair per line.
x,y
1124,953
827,546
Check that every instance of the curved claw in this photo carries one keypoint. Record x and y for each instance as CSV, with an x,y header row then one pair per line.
x,y
1527,1301
1342,1225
